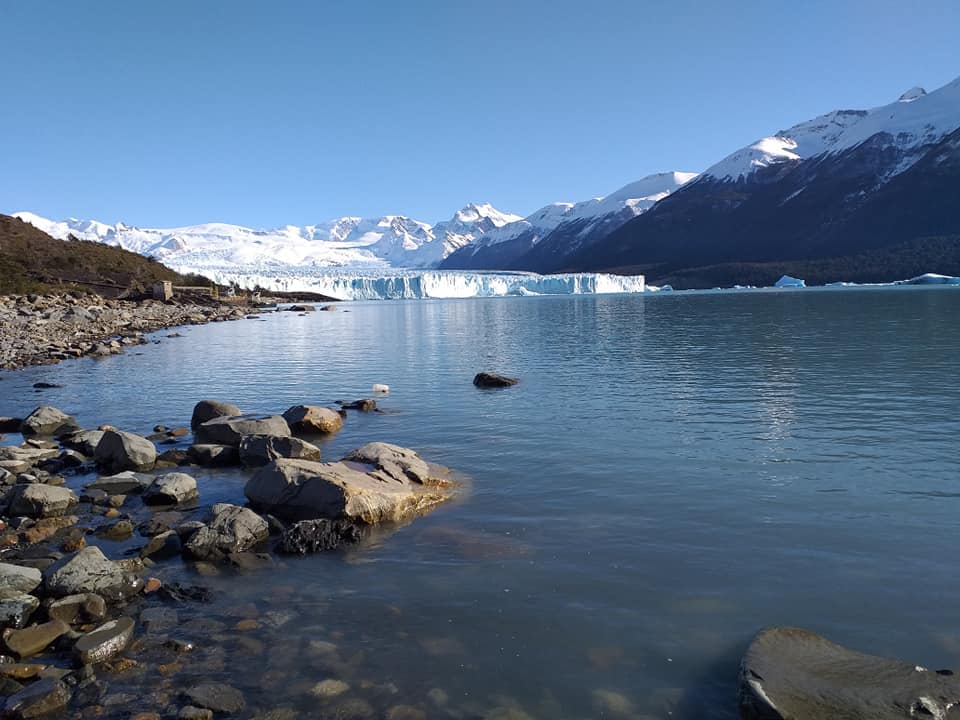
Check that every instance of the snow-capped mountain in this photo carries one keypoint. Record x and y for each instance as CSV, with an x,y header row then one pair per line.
x,y
561,228
848,183
390,241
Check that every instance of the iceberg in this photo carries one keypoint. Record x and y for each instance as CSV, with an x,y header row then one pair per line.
x,y
931,279
411,284
789,282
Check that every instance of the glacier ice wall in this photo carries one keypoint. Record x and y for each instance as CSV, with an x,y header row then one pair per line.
x,y
400,284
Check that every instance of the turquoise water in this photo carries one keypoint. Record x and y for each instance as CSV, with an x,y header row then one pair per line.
x,y
673,473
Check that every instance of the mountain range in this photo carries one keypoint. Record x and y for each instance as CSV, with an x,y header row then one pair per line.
x,y
825,196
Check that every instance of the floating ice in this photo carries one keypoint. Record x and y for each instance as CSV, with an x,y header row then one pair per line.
x,y
789,282
931,279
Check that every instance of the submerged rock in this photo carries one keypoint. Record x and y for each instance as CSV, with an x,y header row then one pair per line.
x,y
209,409
217,697
493,380
792,673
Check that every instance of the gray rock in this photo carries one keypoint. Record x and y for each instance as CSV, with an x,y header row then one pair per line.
x,y
41,699
122,483
34,639
81,608
105,642
310,419
118,451
230,430
211,455
16,608
40,501
302,490
164,546
85,571
217,697
791,673
29,455
493,380
84,441
209,409
232,529
16,577
256,450
46,420
171,489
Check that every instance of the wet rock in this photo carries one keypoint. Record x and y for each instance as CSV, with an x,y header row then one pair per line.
x,y
363,405
176,592
194,713
256,450
21,671
310,419
232,529
211,455
86,571
405,712
122,483
164,546
493,380
34,639
46,420
8,687
250,562
42,698
216,696
209,409
794,673
310,536
353,709
329,688
80,608
16,608
610,703
118,451
398,486
159,619
103,643
40,501
230,430
120,530
171,489
16,577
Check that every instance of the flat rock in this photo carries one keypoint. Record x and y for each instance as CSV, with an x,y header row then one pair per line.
x,y
16,608
310,419
493,380
105,642
171,489
17,577
232,529
80,608
122,483
85,571
216,696
84,441
790,673
393,463
40,699
209,409
46,420
40,501
118,451
229,430
303,490
256,450
34,639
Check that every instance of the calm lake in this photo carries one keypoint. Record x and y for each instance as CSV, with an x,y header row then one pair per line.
x,y
673,473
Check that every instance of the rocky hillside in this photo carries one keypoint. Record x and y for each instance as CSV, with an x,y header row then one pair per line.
x,y
33,261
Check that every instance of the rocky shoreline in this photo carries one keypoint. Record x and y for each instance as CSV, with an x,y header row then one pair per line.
x,y
45,329
72,616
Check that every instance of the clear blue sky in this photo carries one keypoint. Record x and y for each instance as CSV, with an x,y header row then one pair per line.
x,y
271,113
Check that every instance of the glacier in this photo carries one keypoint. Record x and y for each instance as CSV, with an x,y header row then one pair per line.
x,y
412,284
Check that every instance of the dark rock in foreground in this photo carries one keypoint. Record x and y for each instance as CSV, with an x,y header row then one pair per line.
x,y
794,674
493,380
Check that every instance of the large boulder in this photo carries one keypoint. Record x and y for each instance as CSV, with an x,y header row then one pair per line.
x,y
230,430
40,501
258,450
118,451
17,577
231,529
396,485
313,420
171,489
792,673
46,420
209,409
85,571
